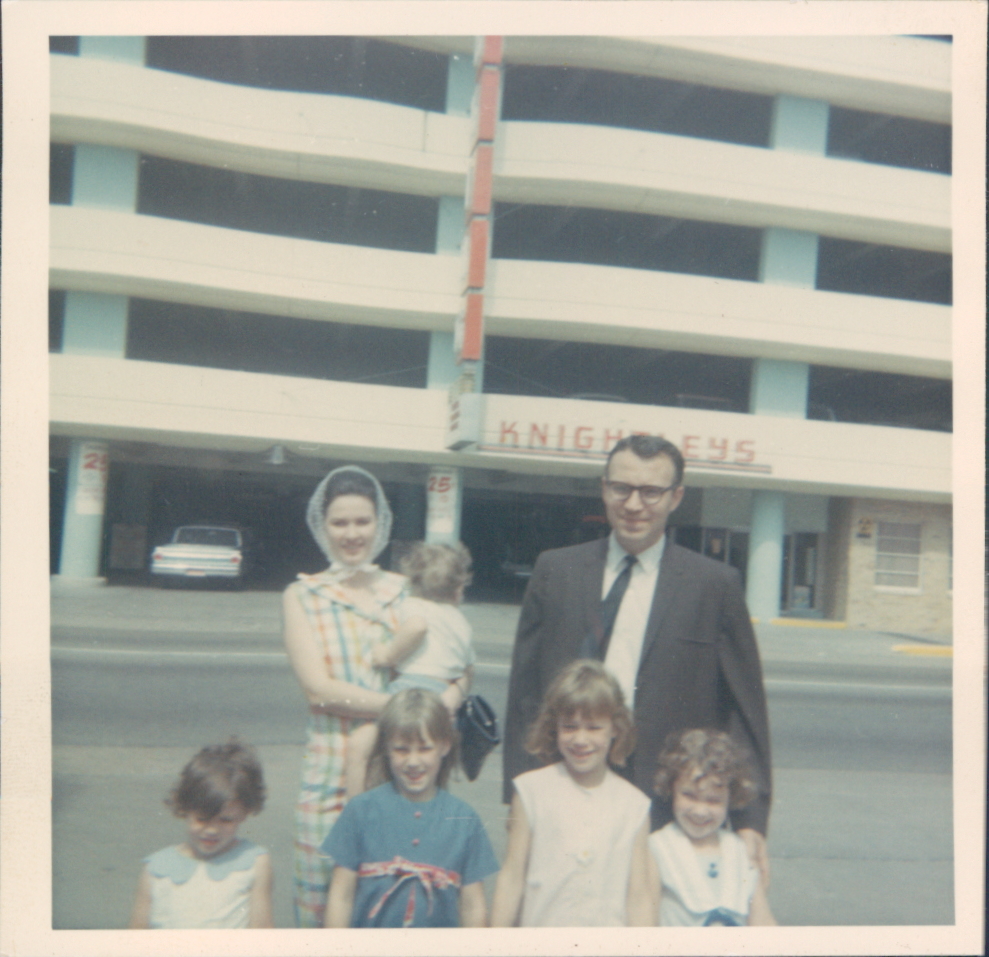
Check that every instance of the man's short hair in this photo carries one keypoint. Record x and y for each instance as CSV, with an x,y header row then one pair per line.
x,y
648,447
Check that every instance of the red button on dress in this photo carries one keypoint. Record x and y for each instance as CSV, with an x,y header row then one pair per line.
x,y
418,813
415,841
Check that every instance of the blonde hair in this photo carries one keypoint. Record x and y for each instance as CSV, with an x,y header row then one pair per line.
x,y
583,687
413,714
437,572
713,754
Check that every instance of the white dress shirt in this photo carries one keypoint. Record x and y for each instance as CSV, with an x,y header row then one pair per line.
x,y
625,647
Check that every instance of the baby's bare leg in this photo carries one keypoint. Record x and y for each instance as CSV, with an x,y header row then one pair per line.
x,y
360,744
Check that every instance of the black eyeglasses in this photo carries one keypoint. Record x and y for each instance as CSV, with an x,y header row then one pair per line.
x,y
650,494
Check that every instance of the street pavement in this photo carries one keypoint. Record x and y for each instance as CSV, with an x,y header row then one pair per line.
x,y
838,847
787,647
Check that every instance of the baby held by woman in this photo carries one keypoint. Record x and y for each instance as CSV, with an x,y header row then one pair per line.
x,y
431,650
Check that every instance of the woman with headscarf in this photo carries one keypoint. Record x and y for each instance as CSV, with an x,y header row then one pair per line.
x,y
333,621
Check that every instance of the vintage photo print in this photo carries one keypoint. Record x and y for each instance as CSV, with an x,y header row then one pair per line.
x,y
325,280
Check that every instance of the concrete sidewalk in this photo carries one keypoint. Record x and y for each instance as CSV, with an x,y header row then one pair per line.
x,y
788,648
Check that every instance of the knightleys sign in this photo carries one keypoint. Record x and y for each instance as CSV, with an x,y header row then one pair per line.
x,y
570,440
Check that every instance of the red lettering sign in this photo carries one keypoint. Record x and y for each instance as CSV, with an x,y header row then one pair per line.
x,y
535,432
439,483
578,441
508,430
744,452
718,445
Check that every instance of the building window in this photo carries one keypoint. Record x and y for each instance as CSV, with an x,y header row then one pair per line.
x,y
68,45
898,555
344,66
879,398
889,140
286,207
275,345
606,237
61,162
56,319
613,373
867,269
562,94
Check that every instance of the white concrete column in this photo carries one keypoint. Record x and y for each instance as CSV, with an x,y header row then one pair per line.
x,y
764,578
444,501
82,524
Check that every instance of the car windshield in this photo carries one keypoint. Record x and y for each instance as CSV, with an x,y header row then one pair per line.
x,y
228,537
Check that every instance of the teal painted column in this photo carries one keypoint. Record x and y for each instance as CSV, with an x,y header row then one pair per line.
x,y
779,387
799,124
765,568
442,369
444,486
82,525
95,324
121,49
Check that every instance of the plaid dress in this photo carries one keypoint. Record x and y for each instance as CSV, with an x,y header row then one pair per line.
x,y
346,635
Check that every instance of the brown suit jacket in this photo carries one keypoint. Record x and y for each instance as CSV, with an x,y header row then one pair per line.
x,y
699,668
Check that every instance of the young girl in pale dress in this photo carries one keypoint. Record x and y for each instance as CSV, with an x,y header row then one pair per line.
x,y
703,868
213,878
577,852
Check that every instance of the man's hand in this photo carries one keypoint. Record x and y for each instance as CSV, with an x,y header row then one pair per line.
x,y
755,844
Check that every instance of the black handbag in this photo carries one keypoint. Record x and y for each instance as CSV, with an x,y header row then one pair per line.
x,y
478,727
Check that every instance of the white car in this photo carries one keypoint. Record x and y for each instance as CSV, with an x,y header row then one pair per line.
x,y
200,551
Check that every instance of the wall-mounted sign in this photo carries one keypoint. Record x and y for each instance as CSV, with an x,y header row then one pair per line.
x,y
570,439
442,494
91,479
464,406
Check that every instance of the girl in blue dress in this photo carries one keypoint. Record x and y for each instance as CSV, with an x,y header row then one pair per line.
x,y
408,853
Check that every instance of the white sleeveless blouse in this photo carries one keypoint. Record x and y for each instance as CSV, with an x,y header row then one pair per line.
x,y
580,855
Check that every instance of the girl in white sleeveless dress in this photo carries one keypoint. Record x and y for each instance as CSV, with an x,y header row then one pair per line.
x,y
577,852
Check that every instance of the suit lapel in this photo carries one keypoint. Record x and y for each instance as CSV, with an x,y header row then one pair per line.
x,y
591,573
670,570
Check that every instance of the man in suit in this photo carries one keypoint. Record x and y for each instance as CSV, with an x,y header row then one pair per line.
x,y
670,624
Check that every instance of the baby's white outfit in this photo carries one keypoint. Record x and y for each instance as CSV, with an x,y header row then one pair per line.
x,y
188,892
580,854
445,652
701,890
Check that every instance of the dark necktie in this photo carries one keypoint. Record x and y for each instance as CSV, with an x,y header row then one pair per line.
x,y
612,602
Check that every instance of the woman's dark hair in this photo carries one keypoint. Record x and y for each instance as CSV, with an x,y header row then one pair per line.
x,y
712,754
218,774
346,482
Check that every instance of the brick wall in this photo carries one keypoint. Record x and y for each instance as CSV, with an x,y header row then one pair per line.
x,y
925,610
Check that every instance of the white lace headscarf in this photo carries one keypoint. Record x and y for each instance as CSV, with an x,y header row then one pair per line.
x,y
316,518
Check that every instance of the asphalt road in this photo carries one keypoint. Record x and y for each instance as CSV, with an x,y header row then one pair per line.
x,y
137,692
861,827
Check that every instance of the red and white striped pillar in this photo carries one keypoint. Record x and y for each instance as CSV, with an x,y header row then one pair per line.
x,y
468,341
